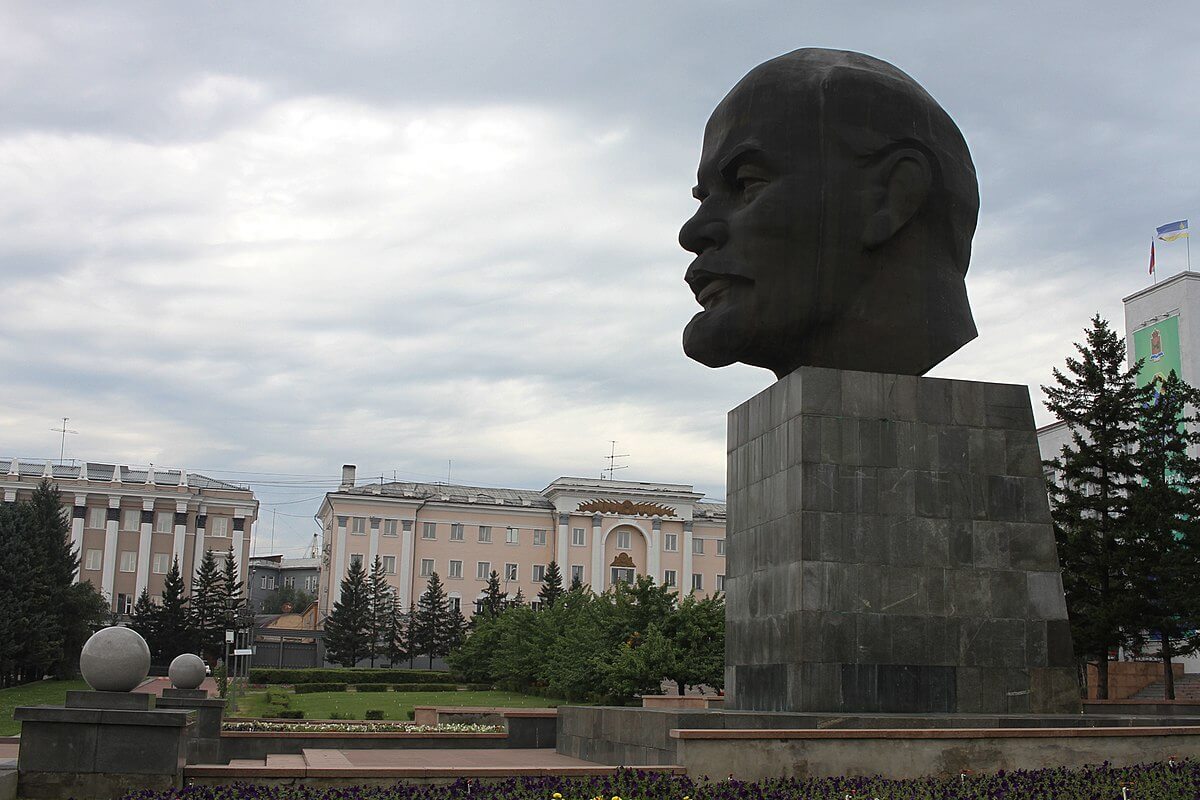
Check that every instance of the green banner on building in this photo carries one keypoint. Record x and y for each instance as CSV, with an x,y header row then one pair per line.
x,y
1157,345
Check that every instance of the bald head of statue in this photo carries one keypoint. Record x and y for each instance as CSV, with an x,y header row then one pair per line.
x,y
837,205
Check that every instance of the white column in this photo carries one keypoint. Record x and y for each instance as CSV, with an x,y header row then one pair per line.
x,y
239,536
109,572
686,578
373,544
564,543
339,562
406,561
78,513
180,540
145,531
599,579
198,545
654,552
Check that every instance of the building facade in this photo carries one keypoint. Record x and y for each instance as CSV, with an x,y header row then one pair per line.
x,y
598,531
270,574
128,524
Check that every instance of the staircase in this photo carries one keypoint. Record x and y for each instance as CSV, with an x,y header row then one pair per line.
x,y
1187,687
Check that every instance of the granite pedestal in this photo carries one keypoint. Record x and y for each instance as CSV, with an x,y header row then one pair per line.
x,y
889,550
205,745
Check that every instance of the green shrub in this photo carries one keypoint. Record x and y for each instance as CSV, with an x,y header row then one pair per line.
x,y
278,697
289,713
309,688
346,675
370,687
373,713
341,715
424,687
479,687
410,714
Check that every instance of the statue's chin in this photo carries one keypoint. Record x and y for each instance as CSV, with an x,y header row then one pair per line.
x,y
711,344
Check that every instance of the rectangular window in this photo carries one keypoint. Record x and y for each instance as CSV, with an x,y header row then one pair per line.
x,y
720,583
389,565
697,582
218,526
289,582
358,525
483,569
455,602
162,563
539,573
96,518
456,532
375,525
671,542
510,572
406,525
576,573
129,561
164,522
131,519
669,578
539,538
310,584
720,547
428,530
262,583
389,527
124,604
578,537
93,559
485,533
455,570
426,567
624,540
622,575
698,546
512,536
356,558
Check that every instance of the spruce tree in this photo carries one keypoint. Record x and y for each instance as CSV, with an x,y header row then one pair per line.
x,y
1098,399
231,589
1165,506
145,620
175,633
552,587
347,629
576,584
494,600
397,644
381,605
518,600
432,620
456,627
208,613
411,644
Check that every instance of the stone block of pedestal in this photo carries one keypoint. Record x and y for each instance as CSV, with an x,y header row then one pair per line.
x,y
205,747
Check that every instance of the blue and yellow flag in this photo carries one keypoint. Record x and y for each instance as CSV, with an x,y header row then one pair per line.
x,y
1173,230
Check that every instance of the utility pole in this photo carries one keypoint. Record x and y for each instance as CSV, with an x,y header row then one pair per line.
x,y
64,430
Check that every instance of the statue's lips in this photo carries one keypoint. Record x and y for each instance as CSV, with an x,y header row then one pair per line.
x,y
709,286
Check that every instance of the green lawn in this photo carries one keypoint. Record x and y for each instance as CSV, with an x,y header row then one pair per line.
x,y
32,694
395,705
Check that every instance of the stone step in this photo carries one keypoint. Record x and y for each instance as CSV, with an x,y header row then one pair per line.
x,y
326,759
286,760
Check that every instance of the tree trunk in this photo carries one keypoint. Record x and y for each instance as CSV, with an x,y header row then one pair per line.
x,y
1168,674
1102,677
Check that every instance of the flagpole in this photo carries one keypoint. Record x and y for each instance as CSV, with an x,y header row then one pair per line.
x,y
1189,252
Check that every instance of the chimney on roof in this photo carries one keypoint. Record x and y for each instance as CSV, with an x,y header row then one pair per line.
x,y
347,476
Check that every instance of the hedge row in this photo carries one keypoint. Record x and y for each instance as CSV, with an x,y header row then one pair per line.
x,y
309,688
273,675
370,687
424,687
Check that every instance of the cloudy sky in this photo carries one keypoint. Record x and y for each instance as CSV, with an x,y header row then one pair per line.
x,y
261,240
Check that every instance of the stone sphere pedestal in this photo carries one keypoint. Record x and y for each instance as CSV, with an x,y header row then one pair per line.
x,y
115,659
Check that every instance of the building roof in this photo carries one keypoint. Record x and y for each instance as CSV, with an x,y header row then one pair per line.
x,y
93,471
456,494
279,562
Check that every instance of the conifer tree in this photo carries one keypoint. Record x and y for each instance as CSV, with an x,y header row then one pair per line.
x,y
552,587
208,613
397,644
381,605
456,627
1165,505
1098,399
231,589
145,620
411,644
576,583
347,629
432,620
175,631
493,598
518,600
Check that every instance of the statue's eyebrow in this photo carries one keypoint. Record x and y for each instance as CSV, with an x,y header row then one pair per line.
x,y
739,150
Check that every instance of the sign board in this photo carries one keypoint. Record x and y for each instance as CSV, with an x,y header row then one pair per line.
x,y
1158,347
243,651
229,636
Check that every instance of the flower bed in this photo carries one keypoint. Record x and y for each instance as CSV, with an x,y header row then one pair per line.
x,y
325,726
1177,781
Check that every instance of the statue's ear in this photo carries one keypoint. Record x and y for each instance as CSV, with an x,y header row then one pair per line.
x,y
901,183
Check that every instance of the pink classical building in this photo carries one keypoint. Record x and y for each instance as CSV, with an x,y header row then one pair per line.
x,y
599,531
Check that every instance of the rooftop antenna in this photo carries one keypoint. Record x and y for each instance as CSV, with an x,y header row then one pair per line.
x,y
64,430
611,458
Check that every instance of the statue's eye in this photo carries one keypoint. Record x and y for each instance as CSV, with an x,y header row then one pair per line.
x,y
749,180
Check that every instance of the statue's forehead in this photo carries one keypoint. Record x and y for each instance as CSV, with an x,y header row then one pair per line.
x,y
779,112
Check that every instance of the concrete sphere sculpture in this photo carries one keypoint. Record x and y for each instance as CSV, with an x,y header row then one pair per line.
x,y
115,659
186,671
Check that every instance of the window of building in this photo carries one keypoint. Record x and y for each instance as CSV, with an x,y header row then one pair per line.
x,y
164,522
389,565
624,540
485,533
455,570
290,582
92,560
454,601
483,569
669,577
356,559
124,603
720,547
426,567
389,527
96,517
218,526
268,583
131,519
536,605
510,572
576,573
161,563
512,536
622,574
358,526
129,561
720,583
539,573
671,542
539,538
406,525
698,546
342,523
578,537
697,582
310,584
428,530
456,532
375,525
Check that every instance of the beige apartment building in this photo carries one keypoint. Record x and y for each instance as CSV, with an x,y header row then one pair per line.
x,y
128,524
599,531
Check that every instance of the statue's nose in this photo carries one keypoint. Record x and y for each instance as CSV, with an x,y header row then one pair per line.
x,y
702,232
